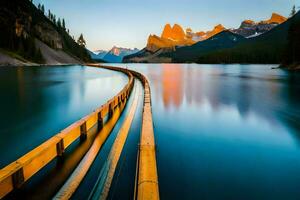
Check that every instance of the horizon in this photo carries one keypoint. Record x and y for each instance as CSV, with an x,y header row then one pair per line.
x,y
129,34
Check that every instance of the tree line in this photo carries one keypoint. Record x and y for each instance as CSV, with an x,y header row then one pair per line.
x,y
22,16
61,24
292,52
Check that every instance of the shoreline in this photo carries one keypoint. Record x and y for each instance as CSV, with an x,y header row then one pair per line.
x,y
293,67
290,67
40,65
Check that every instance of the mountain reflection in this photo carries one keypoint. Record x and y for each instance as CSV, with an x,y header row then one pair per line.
x,y
172,85
265,93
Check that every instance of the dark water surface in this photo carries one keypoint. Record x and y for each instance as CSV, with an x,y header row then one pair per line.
x,y
222,131
226,131
38,102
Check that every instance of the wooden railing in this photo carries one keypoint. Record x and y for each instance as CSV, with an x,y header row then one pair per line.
x,y
146,187
18,172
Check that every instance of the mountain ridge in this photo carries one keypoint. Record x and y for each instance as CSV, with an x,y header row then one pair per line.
x,y
114,55
248,28
268,47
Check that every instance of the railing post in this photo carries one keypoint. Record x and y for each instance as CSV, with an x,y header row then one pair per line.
x,y
119,100
110,110
83,132
18,178
100,121
60,148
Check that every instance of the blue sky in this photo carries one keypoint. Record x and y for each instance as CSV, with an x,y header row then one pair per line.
x,y
128,23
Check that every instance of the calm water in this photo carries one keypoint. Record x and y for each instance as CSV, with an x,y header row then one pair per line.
x,y
226,131
37,103
222,131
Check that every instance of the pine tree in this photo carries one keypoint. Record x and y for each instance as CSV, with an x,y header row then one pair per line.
x,y
292,54
59,23
293,12
81,41
64,24
43,9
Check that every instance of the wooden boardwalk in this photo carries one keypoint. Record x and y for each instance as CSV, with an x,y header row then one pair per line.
x,y
146,187
14,175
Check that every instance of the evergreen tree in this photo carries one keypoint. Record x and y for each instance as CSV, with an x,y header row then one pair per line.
x,y
292,54
293,12
64,24
59,23
81,41
43,9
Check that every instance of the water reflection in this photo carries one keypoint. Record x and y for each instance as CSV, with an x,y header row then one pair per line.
x,y
36,102
262,92
172,85
226,131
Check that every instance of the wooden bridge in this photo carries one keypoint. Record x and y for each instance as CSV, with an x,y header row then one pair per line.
x,y
14,175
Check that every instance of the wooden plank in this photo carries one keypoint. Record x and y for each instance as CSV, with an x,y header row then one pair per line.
x,y
14,174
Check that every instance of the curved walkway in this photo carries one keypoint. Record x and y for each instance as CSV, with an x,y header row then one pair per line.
x,y
18,172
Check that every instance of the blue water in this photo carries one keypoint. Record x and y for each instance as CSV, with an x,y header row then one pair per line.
x,y
222,131
225,131
38,102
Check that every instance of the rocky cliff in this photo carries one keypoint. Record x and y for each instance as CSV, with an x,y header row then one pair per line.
x,y
170,38
27,34
174,38
249,28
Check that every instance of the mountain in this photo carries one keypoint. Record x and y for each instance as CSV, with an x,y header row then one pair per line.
x,y
98,55
28,36
217,29
170,48
275,19
249,28
268,47
115,55
170,39
173,33
222,40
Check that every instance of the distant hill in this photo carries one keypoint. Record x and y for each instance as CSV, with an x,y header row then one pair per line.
x,y
98,54
265,48
225,39
291,57
31,37
115,55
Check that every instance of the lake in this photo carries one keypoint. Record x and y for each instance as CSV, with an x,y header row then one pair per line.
x,y
38,102
225,131
222,131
